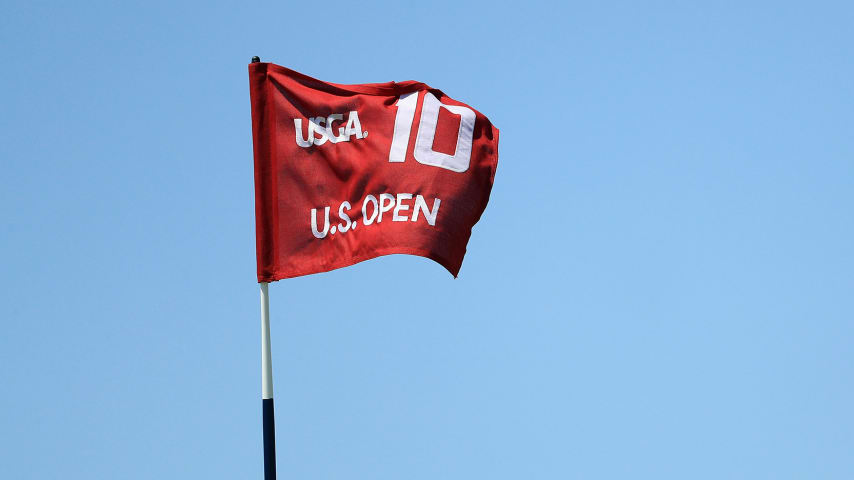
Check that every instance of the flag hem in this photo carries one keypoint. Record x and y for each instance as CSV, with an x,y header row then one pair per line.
x,y
418,252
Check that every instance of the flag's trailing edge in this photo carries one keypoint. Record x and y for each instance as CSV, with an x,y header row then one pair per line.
x,y
346,173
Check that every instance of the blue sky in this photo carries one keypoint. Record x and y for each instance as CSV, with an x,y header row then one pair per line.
x,y
660,287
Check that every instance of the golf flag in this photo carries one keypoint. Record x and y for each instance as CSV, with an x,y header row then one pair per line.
x,y
345,173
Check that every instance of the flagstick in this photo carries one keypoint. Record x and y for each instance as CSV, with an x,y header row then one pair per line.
x,y
268,422
267,388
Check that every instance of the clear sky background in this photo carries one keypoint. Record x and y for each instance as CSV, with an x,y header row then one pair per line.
x,y
661,286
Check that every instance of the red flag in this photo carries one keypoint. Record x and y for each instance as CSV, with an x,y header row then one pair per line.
x,y
345,173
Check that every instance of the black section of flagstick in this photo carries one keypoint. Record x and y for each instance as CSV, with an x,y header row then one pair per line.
x,y
269,439
256,59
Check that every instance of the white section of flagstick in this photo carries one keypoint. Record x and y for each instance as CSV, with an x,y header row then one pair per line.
x,y
266,357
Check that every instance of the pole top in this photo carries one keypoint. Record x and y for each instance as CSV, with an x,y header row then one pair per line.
x,y
256,59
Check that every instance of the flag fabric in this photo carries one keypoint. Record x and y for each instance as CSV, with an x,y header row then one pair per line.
x,y
345,173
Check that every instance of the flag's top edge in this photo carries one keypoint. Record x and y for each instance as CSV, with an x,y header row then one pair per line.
x,y
388,88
